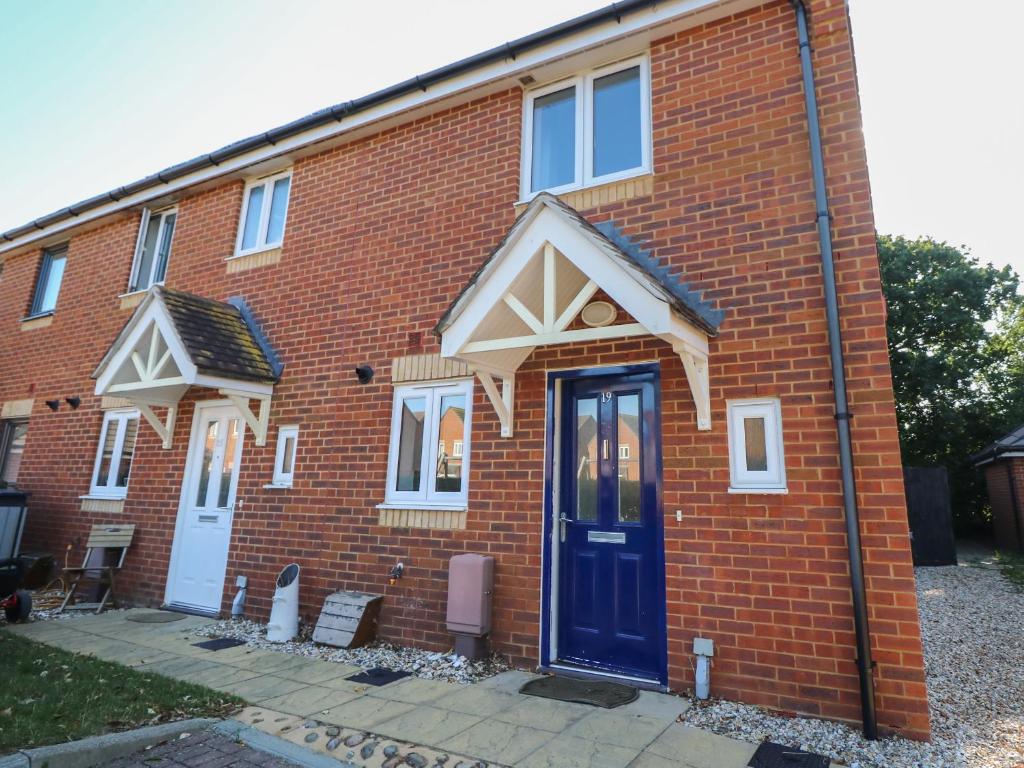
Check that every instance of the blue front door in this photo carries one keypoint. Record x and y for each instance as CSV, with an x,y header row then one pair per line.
x,y
611,604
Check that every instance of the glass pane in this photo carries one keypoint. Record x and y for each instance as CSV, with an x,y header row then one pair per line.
x,y
252,218
617,134
628,435
756,447
586,459
452,427
554,140
144,267
228,465
207,466
15,449
410,444
278,208
165,248
288,460
106,453
53,278
131,430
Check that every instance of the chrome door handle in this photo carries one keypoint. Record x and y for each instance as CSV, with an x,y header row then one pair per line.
x,y
563,521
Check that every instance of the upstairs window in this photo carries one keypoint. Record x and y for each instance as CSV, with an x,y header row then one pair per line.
x,y
756,460
428,463
589,130
51,274
114,454
153,249
264,210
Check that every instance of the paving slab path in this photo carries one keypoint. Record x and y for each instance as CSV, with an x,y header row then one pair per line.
x,y
310,703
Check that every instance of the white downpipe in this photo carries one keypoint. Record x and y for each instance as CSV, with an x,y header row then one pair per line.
x,y
284,613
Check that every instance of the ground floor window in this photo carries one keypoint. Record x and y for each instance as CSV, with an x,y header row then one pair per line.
x,y
430,426
12,446
756,462
114,454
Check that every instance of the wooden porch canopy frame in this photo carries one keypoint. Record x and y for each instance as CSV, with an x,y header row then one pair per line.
x,y
534,285
176,340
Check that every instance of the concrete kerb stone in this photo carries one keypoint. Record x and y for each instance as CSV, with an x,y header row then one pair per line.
x,y
100,750
265,742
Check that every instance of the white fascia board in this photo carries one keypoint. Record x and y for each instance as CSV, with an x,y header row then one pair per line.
x,y
674,13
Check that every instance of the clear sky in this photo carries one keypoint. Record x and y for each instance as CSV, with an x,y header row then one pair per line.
x,y
97,93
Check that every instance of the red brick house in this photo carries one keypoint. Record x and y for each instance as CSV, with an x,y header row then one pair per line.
x,y
1003,465
600,253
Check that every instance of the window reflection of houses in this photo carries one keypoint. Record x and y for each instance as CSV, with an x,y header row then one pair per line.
x,y
449,447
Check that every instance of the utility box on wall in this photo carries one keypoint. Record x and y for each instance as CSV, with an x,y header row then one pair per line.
x,y
470,590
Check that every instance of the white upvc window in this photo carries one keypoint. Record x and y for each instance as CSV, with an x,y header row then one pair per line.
x,y
284,459
153,249
591,129
420,471
756,458
264,211
114,454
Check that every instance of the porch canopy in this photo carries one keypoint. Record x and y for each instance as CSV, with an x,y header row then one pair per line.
x,y
532,289
176,340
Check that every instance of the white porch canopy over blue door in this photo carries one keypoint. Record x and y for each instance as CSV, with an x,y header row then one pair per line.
x,y
536,283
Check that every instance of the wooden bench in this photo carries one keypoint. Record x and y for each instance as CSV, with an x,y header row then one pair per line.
x,y
103,539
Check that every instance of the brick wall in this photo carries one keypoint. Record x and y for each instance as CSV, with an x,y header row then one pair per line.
x,y
382,233
1007,507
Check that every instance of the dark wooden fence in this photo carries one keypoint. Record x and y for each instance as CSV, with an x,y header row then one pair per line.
x,y
930,514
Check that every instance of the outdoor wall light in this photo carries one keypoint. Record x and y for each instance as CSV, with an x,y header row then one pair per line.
x,y
53,405
364,373
396,573
74,402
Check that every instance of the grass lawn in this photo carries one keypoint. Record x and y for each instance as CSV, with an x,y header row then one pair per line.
x,y
48,696
1012,567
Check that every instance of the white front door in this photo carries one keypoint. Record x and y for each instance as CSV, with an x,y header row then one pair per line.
x,y
200,554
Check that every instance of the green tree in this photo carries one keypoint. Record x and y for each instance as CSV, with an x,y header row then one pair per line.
x,y
951,328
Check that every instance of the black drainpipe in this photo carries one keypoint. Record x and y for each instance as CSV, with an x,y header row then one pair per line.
x,y
860,603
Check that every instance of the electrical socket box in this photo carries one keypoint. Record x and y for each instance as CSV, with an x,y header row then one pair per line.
x,y
242,581
703,646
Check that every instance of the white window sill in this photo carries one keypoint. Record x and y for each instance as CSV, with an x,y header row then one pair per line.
x,y
611,178
423,506
103,497
254,251
277,486
773,491
140,292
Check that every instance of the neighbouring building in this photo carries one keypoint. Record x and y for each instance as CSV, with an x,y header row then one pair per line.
x,y
1003,465
581,276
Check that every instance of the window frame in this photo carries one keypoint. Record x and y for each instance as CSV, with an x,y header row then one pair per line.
x,y
427,497
282,479
266,182
8,428
584,164
122,416
741,479
43,278
147,215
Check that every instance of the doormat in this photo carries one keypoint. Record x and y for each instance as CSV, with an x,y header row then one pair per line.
x,y
594,692
155,617
378,676
772,755
219,643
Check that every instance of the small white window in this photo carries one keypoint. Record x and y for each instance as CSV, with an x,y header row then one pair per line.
x,y
591,129
425,417
756,460
153,249
284,460
623,451
114,454
264,210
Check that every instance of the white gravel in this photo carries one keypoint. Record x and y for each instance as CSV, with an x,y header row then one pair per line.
x,y
972,622
448,667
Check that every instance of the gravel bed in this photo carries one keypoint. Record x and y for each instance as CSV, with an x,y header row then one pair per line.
x,y
430,665
972,622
